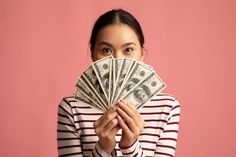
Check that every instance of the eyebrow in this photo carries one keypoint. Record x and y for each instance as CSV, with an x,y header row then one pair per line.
x,y
126,44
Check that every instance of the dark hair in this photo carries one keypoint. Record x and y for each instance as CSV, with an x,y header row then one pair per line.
x,y
116,16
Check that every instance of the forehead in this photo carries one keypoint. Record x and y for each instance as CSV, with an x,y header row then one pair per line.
x,y
117,34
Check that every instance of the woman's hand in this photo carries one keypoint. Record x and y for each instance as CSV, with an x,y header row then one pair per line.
x,y
106,128
130,122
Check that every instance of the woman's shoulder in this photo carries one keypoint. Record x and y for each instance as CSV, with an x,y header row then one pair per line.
x,y
164,99
70,98
70,102
164,96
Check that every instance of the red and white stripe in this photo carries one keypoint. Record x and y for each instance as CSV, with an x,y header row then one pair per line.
x,y
76,136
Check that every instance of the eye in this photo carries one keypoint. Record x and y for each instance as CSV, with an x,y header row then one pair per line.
x,y
106,50
129,49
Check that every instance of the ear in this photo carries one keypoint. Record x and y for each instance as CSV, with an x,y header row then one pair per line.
x,y
143,53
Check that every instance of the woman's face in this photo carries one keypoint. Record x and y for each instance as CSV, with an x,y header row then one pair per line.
x,y
118,40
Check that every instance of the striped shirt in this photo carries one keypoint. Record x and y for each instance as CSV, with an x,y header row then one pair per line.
x,y
76,136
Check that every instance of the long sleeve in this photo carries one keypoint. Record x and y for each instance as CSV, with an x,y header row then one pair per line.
x,y
134,150
166,144
69,137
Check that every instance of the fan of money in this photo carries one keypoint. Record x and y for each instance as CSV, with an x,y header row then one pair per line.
x,y
110,79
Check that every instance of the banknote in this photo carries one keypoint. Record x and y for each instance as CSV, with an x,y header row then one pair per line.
x,y
102,71
80,95
144,90
116,64
85,89
111,79
136,74
91,79
124,70
84,94
117,68
144,64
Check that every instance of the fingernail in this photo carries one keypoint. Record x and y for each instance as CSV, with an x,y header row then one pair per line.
x,y
120,103
118,109
118,117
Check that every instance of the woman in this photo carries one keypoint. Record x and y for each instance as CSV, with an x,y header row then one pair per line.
x,y
122,130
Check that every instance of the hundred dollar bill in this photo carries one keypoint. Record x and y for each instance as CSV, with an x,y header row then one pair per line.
x,y
116,67
145,90
91,80
82,96
117,62
102,69
83,86
136,74
124,70
113,72
144,64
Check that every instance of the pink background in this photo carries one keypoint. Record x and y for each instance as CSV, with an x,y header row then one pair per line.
x,y
44,49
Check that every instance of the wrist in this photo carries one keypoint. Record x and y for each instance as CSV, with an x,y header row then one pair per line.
x,y
98,151
132,150
127,144
104,147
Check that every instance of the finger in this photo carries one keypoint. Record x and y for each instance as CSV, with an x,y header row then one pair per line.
x,y
139,121
128,120
104,120
131,112
110,129
115,129
111,110
111,125
123,126
130,105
